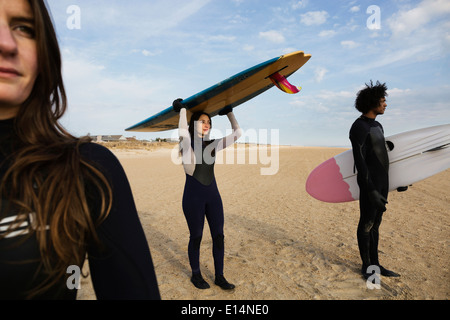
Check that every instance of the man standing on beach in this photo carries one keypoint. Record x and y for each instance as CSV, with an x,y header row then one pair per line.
x,y
372,164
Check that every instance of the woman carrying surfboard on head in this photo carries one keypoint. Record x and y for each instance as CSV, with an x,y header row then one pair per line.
x,y
372,163
201,197
61,197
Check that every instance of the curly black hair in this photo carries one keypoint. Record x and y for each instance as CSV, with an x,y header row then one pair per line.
x,y
369,97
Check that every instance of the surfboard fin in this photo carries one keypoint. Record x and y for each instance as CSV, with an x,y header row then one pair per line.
x,y
281,82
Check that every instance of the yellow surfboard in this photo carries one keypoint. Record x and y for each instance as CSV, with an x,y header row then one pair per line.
x,y
232,91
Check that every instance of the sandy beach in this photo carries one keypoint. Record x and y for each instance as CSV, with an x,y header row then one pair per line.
x,y
280,243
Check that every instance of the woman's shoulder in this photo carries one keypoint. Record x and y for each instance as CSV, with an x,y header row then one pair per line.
x,y
94,150
99,154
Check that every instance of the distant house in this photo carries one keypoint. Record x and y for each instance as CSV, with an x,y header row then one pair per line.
x,y
108,138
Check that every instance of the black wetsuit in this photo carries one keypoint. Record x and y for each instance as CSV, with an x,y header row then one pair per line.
x,y
201,198
122,269
372,164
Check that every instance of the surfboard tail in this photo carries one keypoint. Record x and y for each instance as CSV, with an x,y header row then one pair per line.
x,y
326,183
281,82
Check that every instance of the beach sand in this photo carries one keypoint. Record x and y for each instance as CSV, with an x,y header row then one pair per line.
x,y
280,243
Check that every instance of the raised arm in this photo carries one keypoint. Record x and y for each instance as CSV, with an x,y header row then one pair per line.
x,y
187,154
235,135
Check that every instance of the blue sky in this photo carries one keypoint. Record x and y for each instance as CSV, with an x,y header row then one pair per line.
x,y
127,60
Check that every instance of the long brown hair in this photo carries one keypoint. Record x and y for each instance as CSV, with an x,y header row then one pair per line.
x,y
192,130
47,175
195,117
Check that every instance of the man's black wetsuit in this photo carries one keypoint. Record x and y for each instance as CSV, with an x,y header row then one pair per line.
x,y
372,164
123,269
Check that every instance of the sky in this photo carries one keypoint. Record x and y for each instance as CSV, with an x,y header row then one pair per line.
x,y
124,61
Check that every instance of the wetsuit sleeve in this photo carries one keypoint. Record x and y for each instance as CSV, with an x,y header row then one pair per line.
x,y
183,131
358,139
233,137
188,156
122,267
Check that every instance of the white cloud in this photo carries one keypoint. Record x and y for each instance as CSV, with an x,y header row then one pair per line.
x,y
424,106
319,73
299,4
237,19
329,95
327,33
222,38
314,18
398,92
310,104
148,53
349,44
406,22
418,34
325,101
354,9
155,17
272,36
101,102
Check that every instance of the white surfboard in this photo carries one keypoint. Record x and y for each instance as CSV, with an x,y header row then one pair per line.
x,y
416,155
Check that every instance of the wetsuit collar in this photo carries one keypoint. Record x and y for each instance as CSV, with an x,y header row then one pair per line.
x,y
363,117
6,125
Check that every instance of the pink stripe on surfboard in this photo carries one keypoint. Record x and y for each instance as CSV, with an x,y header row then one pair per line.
x,y
326,183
